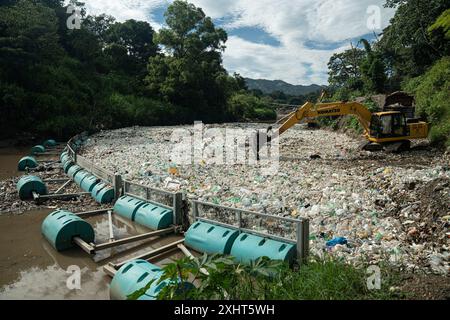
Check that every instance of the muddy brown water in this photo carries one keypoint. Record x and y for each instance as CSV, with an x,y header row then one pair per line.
x,y
9,158
30,268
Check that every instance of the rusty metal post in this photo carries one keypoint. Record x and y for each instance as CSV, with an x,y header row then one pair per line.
x,y
303,241
177,208
117,186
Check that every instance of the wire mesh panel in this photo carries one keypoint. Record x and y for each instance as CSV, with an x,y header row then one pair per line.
x,y
157,196
264,224
101,173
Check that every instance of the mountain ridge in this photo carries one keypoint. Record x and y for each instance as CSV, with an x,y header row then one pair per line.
x,y
270,86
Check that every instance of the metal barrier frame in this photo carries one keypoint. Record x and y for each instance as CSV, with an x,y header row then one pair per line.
x,y
177,199
92,248
100,173
302,226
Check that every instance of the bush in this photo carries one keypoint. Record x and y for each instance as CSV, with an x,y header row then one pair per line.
x,y
432,92
265,114
129,110
244,107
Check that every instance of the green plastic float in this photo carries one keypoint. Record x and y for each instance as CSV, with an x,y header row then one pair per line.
x,y
67,165
29,184
209,238
60,227
38,149
249,247
50,143
154,217
135,275
73,171
27,162
102,193
80,176
127,207
88,183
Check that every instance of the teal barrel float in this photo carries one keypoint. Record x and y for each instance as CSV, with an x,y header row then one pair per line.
x,y
127,207
29,184
211,239
64,154
80,176
73,171
134,276
65,158
50,143
249,247
27,162
89,183
60,227
102,193
154,217
67,165
38,149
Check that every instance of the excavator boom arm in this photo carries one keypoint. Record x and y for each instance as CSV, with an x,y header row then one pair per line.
x,y
310,110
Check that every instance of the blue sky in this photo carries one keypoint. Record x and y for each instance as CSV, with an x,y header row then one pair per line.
x,y
290,40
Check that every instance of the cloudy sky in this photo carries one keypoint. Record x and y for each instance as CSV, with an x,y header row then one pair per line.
x,y
291,40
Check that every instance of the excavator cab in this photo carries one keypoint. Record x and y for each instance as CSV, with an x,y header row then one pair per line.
x,y
388,125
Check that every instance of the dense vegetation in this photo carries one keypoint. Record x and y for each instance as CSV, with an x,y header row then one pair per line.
x,y
58,81
412,55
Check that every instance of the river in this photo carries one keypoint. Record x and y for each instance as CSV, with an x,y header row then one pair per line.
x,y
31,269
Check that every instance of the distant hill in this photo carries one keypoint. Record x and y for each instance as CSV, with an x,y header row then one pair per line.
x,y
269,86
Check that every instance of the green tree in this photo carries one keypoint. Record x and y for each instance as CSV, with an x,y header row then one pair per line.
x,y
373,70
407,43
442,23
190,74
130,45
344,69
432,92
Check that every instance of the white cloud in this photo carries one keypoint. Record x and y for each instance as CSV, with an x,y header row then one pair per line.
x,y
124,10
294,23
300,66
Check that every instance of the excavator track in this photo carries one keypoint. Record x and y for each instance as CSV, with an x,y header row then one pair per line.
x,y
392,147
370,146
399,146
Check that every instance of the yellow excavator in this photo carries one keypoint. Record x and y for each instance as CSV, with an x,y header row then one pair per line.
x,y
390,130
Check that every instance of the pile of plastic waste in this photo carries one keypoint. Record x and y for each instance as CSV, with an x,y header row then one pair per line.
x,y
379,203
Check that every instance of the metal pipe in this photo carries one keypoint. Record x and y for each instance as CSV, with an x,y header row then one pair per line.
x,y
140,237
63,186
92,213
151,253
84,245
55,180
110,270
67,195
188,254
111,231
